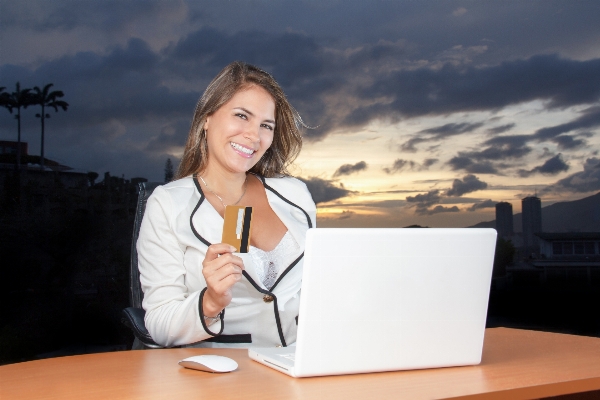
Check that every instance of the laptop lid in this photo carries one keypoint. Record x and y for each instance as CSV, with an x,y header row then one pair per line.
x,y
391,299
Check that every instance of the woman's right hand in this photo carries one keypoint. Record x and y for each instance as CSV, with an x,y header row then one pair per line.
x,y
221,270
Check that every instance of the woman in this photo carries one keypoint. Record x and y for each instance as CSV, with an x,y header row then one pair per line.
x,y
200,291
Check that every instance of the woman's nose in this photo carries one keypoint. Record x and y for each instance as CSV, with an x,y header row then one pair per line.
x,y
252,134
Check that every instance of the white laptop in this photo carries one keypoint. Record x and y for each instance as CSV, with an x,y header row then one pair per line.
x,y
389,299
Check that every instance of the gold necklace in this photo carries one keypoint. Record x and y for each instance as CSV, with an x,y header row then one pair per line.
x,y
219,197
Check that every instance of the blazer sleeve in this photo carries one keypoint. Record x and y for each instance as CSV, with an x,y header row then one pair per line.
x,y
172,313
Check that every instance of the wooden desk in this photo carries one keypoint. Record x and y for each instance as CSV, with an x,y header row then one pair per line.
x,y
517,364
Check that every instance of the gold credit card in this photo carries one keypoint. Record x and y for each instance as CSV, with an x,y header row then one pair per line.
x,y
236,227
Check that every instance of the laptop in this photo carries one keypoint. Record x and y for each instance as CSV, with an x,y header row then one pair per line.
x,y
389,299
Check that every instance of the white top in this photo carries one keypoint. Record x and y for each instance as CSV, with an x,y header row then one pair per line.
x,y
178,226
269,264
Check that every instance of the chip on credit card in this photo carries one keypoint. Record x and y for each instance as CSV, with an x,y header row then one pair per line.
x,y
236,227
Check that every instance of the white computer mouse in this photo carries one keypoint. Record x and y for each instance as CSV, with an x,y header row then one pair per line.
x,y
209,363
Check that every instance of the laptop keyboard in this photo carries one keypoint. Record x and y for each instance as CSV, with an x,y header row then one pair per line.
x,y
289,356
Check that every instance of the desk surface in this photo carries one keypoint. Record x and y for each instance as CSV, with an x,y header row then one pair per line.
x,y
516,364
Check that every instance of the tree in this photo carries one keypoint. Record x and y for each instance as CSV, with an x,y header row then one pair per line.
x,y
3,97
168,171
45,98
505,253
17,100
92,176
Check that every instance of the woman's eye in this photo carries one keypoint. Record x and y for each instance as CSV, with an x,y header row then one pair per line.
x,y
243,116
269,127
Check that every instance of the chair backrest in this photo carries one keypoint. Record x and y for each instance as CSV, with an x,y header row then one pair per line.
x,y
145,189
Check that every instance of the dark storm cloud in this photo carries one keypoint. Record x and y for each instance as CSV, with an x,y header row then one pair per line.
x,y
484,204
106,15
465,163
590,118
437,210
349,70
424,201
124,85
584,181
348,169
452,88
323,190
398,165
470,183
313,76
495,150
501,129
552,166
438,133
127,82
451,129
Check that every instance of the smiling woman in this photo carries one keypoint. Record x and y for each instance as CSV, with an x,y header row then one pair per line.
x,y
243,137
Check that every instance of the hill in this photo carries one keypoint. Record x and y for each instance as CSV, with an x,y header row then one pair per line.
x,y
581,215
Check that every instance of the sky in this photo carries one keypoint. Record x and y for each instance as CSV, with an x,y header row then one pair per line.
x,y
423,112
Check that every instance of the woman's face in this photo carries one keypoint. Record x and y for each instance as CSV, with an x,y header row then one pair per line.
x,y
240,132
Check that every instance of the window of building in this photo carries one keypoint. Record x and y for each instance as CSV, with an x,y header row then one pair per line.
x,y
590,248
567,247
557,248
579,247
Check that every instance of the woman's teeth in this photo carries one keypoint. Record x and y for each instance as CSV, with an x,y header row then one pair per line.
x,y
242,148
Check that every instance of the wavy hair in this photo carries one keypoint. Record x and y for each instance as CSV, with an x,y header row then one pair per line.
x,y
287,139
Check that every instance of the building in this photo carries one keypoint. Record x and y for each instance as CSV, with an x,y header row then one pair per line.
x,y
504,219
569,256
10,147
532,222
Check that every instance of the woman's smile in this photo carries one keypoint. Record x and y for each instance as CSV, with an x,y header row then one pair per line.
x,y
241,150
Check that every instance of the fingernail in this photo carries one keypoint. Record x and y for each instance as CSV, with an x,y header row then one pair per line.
x,y
233,249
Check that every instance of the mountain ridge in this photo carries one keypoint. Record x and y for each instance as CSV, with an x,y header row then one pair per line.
x,y
581,215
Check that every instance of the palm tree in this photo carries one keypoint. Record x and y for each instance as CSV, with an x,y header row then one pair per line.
x,y
45,98
17,100
3,97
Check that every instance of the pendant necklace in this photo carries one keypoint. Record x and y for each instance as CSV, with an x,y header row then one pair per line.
x,y
219,197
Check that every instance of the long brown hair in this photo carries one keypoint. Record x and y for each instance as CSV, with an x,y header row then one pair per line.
x,y
287,140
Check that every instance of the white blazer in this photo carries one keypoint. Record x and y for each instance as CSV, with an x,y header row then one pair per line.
x,y
177,228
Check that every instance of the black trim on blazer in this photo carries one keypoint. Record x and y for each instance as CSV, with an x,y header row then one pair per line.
x,y
275,309
202,197
242,338
262,178
288,269
221,314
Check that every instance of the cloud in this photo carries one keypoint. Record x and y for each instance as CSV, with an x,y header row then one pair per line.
x,y
501,129
552,166
470,183
323,190
464,162
590,118
584,181
348,169
451,129
437,210
496,149
427,199
398,165
449,89
428,162
438,133
484,204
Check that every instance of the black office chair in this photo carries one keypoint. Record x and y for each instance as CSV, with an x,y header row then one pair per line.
x,y
133,316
